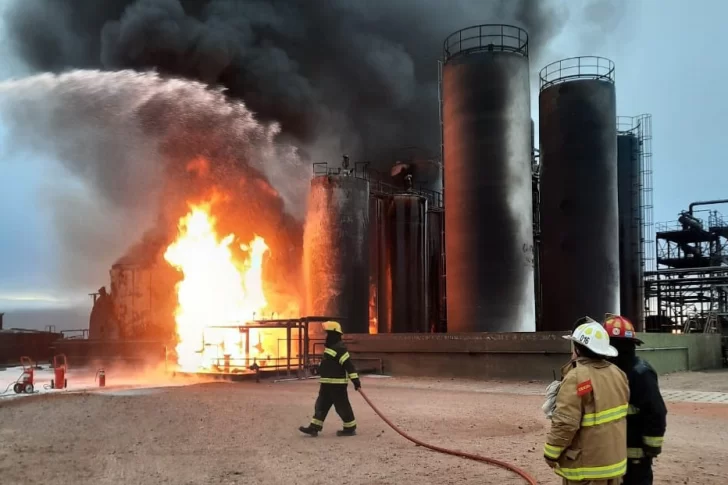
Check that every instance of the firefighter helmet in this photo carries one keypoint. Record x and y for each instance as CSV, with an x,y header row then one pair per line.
x,y
619,327
332,326
593,336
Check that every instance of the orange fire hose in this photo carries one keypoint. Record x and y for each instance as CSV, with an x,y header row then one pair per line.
x,y
483,459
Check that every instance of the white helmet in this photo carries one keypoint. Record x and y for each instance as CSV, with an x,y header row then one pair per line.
x,y
593,336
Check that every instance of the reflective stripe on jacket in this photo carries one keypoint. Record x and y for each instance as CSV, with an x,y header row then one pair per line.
x,y
647,416
588,433
336,366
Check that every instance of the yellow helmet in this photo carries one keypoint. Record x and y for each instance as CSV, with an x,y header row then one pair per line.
x,y
332,326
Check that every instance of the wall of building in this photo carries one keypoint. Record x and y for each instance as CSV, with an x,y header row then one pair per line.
x,y
521,356
675,353
111,352
17,343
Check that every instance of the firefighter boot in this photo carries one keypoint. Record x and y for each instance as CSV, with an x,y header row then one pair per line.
x,y
309,430
346,432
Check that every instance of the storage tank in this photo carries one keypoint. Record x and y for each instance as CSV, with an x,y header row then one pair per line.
x,y
336,250
435,270
579,224
487,161
141,305
630,227
407,216
379,288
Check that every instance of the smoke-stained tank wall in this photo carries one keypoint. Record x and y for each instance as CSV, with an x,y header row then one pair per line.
x,y
630,227
435,270
487,161
379,268
141,304
579,223
407,216
336,250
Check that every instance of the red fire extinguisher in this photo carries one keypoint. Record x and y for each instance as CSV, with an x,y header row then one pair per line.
x,y
60,366
101,376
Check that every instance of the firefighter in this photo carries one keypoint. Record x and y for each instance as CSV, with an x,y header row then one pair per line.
x,y
586,443
334,372
646,417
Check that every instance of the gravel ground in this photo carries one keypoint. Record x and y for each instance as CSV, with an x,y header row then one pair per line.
x,y
711,381
245,433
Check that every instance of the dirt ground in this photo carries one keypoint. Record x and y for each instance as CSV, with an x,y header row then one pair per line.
x,y
246,433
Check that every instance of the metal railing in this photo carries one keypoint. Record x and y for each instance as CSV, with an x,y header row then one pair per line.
x,y
486,37
377,185
584,67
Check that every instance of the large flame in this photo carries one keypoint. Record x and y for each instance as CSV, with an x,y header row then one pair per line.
x,y
216,296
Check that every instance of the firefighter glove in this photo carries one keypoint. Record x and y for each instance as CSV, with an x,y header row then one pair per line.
x,y
357,384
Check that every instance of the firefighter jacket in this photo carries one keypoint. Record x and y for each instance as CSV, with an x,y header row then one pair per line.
x,y
589,428
647,415
336,366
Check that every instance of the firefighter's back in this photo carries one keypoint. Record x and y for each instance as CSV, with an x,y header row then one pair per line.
x,y
599,447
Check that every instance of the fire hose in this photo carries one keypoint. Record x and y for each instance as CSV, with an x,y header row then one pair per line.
x,y
461,454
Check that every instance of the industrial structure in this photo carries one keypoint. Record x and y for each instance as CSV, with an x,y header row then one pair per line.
x,y
688,289
486,124
336,249
634,169
493,240
578,193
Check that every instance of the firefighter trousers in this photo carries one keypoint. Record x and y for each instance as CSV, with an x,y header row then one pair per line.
x,y
333,395
639,472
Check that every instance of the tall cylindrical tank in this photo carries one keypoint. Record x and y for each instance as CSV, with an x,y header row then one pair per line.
x,y
630,227
435,270
579,224
379,268
336,250
488,209
374,204
407,216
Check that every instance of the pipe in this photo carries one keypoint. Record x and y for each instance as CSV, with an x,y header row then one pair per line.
x,y
707,269
482,459
706,202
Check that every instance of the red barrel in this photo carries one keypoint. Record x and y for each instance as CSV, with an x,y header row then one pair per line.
x,y
102,378
59,381
60,366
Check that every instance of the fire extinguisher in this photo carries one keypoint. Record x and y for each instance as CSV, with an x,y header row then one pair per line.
x,y
101,376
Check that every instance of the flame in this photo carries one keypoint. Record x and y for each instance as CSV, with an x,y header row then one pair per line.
x,y
216,296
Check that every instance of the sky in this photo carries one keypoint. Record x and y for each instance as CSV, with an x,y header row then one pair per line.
x,y
667,58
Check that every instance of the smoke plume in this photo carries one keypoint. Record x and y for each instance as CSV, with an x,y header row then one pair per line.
x,y
356,77
145,145
326,77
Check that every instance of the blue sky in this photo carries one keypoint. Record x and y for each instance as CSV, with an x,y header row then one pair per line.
x,y
668,63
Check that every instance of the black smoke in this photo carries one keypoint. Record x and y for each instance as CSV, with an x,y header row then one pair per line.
x,y
354,76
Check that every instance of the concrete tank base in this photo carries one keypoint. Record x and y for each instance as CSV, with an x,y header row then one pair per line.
x,y
517,356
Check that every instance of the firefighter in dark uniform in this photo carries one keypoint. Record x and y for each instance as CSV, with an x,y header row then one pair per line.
x,y
334,373
646,416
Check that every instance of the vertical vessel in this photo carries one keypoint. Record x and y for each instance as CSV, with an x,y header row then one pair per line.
x,y
629,187
407,221
435,270
578,163
336,250
486,115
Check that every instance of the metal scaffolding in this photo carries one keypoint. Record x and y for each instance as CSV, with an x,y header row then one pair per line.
x,y
688,292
